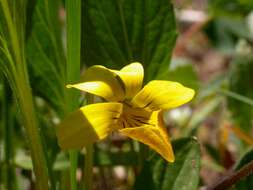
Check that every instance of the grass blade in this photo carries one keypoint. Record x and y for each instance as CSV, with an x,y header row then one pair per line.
x,y
73,8
21,88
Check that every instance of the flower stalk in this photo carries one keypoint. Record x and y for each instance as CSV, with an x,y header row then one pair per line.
x,y
73,10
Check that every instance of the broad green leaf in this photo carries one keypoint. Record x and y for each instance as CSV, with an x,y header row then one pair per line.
x,y
45,54
246,183
183,174
241,80
119,32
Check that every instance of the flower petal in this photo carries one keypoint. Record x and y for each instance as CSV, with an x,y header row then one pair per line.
x,y
132,77
154,136
102,82
88,124
160,94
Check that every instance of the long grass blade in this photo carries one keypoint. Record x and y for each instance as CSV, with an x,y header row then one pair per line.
x,y
22,91
73,8
9,176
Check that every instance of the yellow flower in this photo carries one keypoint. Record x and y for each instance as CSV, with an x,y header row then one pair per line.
x,y
130,109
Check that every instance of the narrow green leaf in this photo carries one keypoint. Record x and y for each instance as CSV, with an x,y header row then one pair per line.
x,y
73,10
14,13
9,177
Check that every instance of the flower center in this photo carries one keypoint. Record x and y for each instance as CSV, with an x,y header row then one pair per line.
x,y
134,117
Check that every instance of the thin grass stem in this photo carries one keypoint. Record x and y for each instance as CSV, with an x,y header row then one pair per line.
x,y
73,9
9,177
22,91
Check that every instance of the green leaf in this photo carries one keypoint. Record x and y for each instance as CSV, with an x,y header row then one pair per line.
x,y
12,45
46,64
183,174
119,32
241,80
73,11
45,54
7,118
246,183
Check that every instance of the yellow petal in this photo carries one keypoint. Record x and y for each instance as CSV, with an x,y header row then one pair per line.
x,y
102,82
154,136
160,94
132,77
88,124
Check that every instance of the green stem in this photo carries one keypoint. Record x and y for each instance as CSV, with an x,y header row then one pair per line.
x,y
88,162
73,10
38,155
9,176
73,157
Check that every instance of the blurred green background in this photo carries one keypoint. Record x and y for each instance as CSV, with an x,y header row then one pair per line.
x,y
204,44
